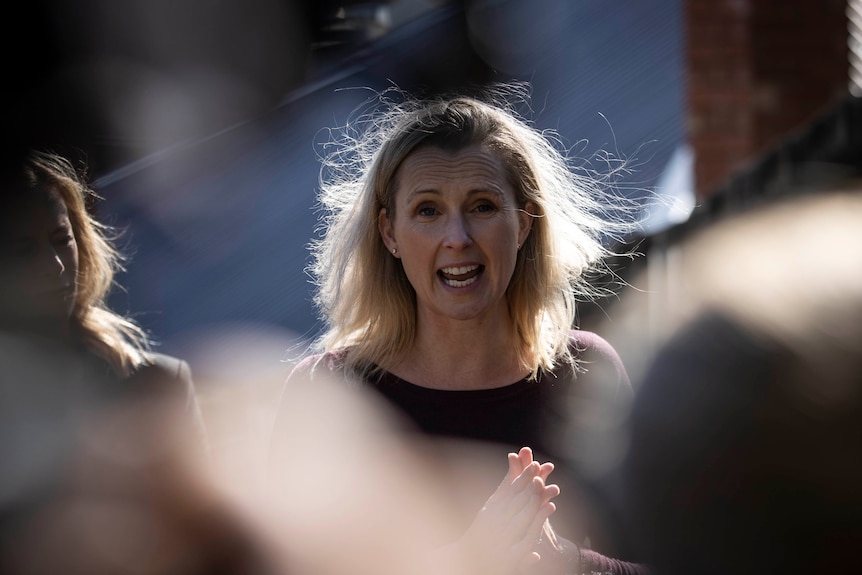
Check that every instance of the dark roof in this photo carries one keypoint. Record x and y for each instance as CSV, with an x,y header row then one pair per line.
x,y
824,154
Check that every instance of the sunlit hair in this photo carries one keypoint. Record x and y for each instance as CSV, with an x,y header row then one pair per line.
x,y
117,339
363,292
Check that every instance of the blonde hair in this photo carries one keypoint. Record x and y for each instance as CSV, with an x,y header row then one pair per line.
x,y
116,339
362,291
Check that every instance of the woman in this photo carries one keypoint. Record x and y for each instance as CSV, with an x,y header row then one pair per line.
x,y
457,241
57,265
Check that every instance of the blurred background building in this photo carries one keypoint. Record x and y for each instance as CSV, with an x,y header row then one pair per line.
x,y
773,109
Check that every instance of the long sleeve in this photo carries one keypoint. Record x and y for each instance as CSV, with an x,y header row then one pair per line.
x,y
592,563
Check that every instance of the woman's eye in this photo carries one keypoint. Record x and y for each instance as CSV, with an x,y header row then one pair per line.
x,y
64,240
426,211
486,207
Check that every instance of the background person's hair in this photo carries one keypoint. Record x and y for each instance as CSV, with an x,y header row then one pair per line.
x,y
363,292
117,339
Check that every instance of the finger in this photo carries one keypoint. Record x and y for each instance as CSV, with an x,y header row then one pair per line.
x,y
545,470
504,529
510,483
526,505
542,543
525,478
550,492
505,500
515,471
515,467
545,491
538,523
525,454
511,506
526,527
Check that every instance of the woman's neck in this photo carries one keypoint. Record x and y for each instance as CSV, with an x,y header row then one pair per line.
x,y
462,356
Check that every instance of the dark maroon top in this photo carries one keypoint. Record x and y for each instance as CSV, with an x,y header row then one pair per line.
x,y
533,413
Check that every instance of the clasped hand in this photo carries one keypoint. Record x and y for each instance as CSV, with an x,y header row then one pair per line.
x,y
507,532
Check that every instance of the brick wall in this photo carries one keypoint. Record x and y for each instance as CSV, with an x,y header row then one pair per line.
x,y
758,70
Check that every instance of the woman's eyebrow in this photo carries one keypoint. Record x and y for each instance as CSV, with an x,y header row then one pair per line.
x,y
421,192
492,190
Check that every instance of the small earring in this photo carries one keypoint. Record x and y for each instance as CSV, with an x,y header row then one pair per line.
x,y
394,251
519,247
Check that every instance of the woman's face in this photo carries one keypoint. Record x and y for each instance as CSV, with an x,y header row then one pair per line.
x,y
38,263
456,229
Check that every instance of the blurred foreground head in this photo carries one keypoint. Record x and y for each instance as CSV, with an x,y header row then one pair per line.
x,y
746,431
96,487
93,485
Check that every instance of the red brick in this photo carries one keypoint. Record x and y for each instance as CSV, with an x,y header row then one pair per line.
x,y
758,70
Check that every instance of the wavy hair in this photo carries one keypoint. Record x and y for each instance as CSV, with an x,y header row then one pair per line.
x,y
363,293
116,339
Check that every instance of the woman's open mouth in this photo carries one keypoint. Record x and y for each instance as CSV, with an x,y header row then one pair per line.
x,y
460,276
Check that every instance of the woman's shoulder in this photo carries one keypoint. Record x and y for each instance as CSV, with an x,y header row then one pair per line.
x,y
162,374
170,378
330,362
588,342
163,367
166,363
598,360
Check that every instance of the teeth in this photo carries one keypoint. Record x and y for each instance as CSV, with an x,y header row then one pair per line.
x,y
457,271
459,283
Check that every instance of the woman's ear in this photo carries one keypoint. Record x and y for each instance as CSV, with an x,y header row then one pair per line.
x,y
384,226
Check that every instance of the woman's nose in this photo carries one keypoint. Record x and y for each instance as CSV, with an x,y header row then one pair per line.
x,y
53,265
457,233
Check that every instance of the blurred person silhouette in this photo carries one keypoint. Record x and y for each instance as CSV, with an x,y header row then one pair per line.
x,y
92,485
57,266
95,488
746,430
66,355
456,242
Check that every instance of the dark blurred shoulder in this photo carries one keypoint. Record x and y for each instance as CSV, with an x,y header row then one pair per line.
x,y
163,369
168,377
